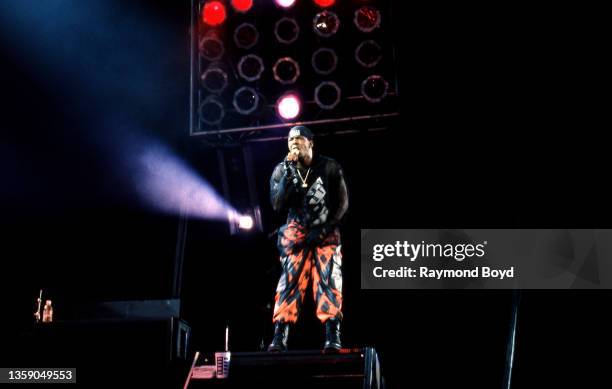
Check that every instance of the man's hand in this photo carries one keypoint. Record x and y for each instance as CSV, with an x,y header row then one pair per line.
x,y
289,166
293,154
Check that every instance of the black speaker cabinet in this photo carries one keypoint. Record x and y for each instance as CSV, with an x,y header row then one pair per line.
x,y
110,351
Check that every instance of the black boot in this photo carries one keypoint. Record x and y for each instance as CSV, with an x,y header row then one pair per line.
x,y
281,333
332,335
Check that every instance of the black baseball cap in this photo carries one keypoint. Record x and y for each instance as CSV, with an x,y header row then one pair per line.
x,y
301,131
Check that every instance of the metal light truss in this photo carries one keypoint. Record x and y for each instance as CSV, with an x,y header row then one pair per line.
x,y
348,55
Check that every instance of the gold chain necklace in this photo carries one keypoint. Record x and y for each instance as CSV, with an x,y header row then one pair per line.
x,y
304,184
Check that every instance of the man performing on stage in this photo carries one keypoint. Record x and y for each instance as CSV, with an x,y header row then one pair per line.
x,y
312,190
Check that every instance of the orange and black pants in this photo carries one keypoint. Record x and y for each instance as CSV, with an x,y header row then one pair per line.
x,y
301,263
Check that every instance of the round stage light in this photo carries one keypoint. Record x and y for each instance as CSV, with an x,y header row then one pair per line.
x,y
284,3
368,53
211,111
246,36
325,3
211,47
250,67
367,19
214,79
246,100
327,95
245,222
374,88
242,5
286,30
213,13
326,23
288,106
286,70
324,61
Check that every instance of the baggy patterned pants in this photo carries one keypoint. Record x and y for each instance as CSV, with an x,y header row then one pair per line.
x,y
322,263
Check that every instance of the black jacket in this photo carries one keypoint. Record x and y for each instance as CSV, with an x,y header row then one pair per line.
x,y
323,202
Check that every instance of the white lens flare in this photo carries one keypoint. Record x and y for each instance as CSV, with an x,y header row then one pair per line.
x,y
245,222
288,106
285,3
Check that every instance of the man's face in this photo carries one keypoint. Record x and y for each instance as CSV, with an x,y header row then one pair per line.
x,y
300,143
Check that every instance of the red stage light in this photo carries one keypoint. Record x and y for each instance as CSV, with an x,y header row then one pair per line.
x,y
242,5
213,13
367,19
325,3
288,106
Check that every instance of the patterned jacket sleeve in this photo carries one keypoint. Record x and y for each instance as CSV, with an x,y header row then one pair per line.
x,y
280,188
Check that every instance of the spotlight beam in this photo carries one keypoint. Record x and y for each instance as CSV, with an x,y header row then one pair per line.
x,y
169,185
163,182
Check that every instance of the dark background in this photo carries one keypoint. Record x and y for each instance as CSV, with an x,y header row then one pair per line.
x,y
497,129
